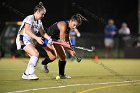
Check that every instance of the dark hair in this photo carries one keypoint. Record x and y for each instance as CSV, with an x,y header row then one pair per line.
x,y
79,18
39,7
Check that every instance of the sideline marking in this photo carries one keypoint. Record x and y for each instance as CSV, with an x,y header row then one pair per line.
x,y
58,87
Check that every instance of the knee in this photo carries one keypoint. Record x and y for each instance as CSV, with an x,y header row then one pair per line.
x,y
63,58
35,53
52,58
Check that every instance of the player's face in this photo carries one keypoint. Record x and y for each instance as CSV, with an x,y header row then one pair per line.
x,y
73,24
40,14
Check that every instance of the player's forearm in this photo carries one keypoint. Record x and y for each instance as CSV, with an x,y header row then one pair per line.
x,y
29,32
77,33
62,37
44,34
67,38
47,36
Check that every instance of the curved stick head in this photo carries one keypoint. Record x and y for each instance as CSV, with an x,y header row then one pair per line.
x,y
92,48
79,59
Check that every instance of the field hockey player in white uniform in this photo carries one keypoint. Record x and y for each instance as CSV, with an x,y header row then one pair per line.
x,y
32,25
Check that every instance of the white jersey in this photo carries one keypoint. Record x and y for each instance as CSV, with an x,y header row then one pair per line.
x,y
22,36
35,25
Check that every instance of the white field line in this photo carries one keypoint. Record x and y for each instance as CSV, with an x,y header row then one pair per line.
x,y
58,87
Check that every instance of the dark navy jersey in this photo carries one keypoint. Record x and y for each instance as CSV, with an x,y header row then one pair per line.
x,y
54,31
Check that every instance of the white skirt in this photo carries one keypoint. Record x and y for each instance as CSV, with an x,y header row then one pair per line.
x,y
22,41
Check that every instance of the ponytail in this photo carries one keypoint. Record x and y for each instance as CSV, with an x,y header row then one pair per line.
x,y
79,18
39,7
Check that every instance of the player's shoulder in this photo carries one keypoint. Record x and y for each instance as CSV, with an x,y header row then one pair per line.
x,y
62,24
30,18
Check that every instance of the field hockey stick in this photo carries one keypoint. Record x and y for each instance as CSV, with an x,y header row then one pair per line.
x,y
85,49
63,44
78,59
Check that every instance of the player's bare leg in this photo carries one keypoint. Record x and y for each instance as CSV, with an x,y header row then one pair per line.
x,y
29,72
62,61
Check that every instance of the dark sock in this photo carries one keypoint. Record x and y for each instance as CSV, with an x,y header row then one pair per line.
x,y
61,66
46,61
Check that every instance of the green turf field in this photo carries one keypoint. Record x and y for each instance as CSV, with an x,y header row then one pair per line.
x,y
87,77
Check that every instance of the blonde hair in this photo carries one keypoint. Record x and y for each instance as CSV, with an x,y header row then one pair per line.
x,y
39,7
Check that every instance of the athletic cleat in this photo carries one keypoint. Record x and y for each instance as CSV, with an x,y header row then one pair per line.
x,y
65,77
45,68
32,77
29,77
24,76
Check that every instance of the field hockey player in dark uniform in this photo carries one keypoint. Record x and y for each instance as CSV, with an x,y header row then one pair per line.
x,y
59,32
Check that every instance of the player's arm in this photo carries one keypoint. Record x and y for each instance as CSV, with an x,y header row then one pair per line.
x,y
67,38
45,35
71,50
62,28
32,35
77,32
63,36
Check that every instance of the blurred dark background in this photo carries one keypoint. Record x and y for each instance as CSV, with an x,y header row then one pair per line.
x,y
96,11
119,10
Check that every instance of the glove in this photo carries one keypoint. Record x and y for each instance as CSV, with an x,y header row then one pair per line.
x,y
78,35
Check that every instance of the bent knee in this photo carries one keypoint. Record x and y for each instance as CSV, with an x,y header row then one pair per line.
x,y
52,58
35,53
63,58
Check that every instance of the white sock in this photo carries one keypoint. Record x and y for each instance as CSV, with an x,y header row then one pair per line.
x,y
31,65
